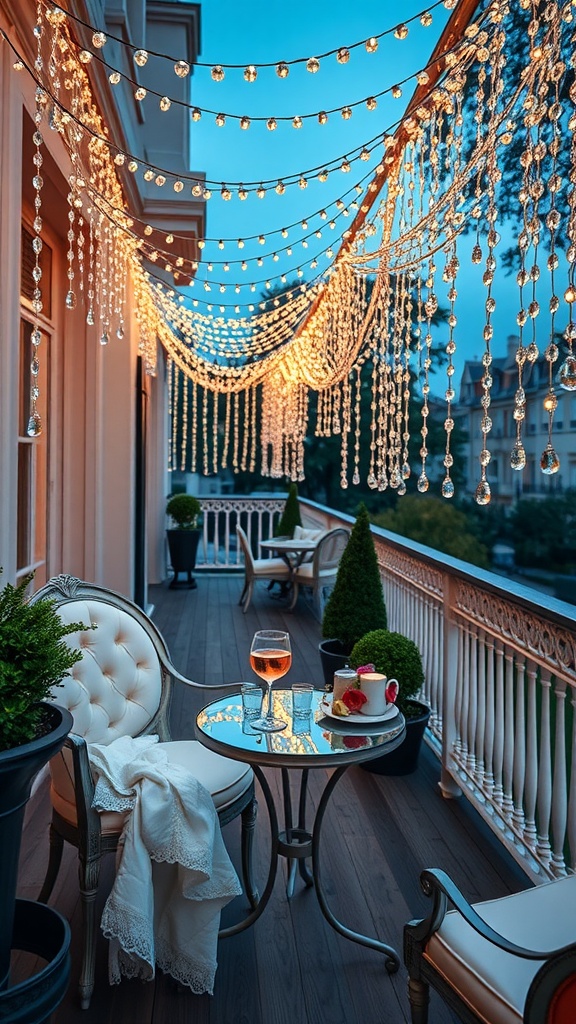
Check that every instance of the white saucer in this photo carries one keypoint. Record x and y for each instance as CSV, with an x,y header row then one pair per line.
x,y
326,708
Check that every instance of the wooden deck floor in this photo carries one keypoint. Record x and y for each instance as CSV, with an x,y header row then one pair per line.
x,y
291,967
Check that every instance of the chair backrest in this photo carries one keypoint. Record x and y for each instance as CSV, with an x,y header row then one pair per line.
x,y
248,556
119,688
329,550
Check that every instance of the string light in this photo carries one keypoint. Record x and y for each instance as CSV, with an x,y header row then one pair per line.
x,y
217,71
334,338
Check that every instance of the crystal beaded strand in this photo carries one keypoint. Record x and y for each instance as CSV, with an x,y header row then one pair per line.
x,y
90,291
483,492
526,192
346,423
423,482
171,418
253,428
567,370
450,272
226,439
194,450
215,432
70,300
185,389
357,422
34,425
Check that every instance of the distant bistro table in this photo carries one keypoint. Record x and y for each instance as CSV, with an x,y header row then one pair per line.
x,y
292,551
317,742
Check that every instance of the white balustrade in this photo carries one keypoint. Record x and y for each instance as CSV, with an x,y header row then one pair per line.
x,y
218,548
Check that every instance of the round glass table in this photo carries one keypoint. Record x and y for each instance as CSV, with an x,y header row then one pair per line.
x,y
318,741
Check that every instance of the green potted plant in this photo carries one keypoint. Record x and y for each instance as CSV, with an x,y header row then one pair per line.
x,y
356,604
34,657
290,517
184,511
397,657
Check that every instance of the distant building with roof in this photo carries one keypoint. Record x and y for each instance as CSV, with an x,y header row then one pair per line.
x,y
507,484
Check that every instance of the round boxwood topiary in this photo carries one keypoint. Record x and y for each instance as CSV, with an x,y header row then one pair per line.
x,y
397,657
184,509
356,604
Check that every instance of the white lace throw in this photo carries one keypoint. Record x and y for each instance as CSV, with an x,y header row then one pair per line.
x,y
173,874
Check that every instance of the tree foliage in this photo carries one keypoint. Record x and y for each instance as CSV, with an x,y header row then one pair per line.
x,y
544,532
436,523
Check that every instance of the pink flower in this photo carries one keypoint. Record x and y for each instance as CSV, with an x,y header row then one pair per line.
x,y
365,668
354,699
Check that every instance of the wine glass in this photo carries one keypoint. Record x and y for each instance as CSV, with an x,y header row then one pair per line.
x,y
270,658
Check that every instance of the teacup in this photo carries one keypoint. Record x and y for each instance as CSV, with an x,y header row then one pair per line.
x,y
373,686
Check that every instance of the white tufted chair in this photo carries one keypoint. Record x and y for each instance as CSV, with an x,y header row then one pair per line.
x,y
121,687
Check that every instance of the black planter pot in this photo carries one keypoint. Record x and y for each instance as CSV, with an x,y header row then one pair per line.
x,y
333,655
404,759
32,1001
183,545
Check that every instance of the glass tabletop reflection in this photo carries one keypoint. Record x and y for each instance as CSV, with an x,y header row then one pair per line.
x,y
313,741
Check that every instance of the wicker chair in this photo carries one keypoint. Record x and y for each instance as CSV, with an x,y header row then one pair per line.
x,y
121,687
506,961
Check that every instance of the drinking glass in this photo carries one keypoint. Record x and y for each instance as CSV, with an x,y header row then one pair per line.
x,y
270,658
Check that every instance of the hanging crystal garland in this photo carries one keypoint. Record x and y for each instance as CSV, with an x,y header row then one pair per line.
x,y
567,370
34,425
450,274
483,493
550,402
357,421
184,385
526,198
170,374
70,300
430,306
337,332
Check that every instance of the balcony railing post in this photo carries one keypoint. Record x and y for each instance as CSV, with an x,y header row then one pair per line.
x,y
448,785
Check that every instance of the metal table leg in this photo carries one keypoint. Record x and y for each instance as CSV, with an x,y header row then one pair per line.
x,y
392,958
297,844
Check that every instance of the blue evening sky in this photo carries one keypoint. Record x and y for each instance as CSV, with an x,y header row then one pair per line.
x,y
253,33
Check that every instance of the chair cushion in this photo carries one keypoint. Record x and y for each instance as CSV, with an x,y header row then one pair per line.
x,y
495,983
226,780
305,574
271,567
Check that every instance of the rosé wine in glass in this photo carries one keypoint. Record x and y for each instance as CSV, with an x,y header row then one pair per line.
x,y
270,658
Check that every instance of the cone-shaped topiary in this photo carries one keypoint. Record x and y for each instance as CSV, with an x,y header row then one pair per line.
x,y
356,605
397,657
290,517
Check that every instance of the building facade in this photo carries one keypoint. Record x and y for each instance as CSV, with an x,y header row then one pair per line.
x,y
86,494
506,484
